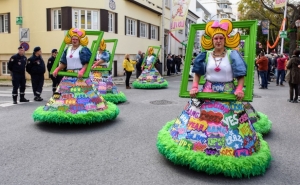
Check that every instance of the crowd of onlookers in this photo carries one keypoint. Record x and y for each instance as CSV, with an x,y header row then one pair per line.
x,y
279,68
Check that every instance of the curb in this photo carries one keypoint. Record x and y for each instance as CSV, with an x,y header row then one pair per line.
x,y
118,81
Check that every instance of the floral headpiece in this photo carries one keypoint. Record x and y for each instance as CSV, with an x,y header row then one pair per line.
x,y
223,27
80,33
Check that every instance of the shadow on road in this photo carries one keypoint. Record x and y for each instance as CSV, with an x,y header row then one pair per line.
x,y
73,128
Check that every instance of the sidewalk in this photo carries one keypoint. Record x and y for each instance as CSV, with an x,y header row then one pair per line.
x,y
119,80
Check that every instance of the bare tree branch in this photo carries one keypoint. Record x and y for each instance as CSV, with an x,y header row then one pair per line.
x,y
270,9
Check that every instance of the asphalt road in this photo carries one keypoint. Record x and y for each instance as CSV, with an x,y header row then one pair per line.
x,y
124,151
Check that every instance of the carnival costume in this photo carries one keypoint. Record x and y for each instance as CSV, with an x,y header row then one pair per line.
x,y
76,101
103,80
216,137
150,78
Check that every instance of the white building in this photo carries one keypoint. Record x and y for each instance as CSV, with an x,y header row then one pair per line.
x,y
196,14
219,9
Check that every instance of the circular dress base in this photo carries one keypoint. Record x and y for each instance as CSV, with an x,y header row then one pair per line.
x,y
139,85
115,98
263,125
235,167
60,117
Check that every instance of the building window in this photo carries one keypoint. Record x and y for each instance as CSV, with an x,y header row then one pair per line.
x,y
111,22
154,32
5,70
143,30
223,6
86,19
224,16
130,27
56,19
168,3
3,23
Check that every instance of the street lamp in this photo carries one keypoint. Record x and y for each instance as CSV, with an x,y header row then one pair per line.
x,y
297,25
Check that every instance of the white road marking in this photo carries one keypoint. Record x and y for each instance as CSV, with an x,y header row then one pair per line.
x,y
8,104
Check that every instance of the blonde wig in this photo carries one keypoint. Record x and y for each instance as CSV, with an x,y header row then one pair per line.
x,y
150,51
223,27
80,33
102,45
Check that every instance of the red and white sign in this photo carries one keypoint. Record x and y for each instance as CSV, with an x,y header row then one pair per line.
x,y
279,3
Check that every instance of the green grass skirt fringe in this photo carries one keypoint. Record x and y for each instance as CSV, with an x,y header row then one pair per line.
x,y
60,117
234,167
136,84
263,125
115,98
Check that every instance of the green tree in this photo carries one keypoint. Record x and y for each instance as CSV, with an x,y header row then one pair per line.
x,y
293,14
264,10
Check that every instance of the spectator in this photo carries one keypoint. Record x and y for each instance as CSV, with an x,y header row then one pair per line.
x,y
55,81
294,81
36,68
157,64
173,69
17,65
128,68
139,65
262,63
169,64
280,70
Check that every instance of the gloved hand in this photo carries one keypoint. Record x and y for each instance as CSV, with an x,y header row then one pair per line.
x,y
239,92
81,72
194,89
96,64
55,72
142,68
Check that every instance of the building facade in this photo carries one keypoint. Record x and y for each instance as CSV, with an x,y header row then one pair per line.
x,y
136,24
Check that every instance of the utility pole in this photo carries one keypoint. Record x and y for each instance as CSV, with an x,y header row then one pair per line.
x,y
20,15
283,27
163,39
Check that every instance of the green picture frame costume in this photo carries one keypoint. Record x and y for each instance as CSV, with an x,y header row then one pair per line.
x,y
94,50
203,140
142,84
78,93
114,97
250,64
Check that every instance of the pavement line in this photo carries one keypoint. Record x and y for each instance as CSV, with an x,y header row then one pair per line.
x,y
6,95
8,104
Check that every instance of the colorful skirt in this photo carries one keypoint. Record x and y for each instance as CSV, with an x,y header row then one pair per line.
x,y
216,137
103,82
150,79
76,101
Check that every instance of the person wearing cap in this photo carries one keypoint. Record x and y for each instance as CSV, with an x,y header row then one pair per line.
x,y
16,65
55,81
36,68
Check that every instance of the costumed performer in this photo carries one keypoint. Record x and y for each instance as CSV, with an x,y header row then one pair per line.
x,y
150,77
75,101
102,80
213,136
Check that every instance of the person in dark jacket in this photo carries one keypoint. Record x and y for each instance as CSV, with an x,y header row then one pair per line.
x,y
169,65
16,65
36,68
139,65
294,67
55,81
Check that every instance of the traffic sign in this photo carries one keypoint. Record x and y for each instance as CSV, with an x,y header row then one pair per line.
x,y
283,34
